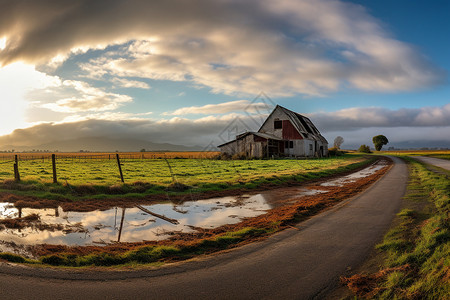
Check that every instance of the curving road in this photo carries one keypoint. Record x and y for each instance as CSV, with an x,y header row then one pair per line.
x,y
300,263
441,163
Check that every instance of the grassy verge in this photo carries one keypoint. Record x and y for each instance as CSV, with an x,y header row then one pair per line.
x,y
221,175
417,249
146,254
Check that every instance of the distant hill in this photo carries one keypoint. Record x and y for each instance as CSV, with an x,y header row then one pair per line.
x,y
102,144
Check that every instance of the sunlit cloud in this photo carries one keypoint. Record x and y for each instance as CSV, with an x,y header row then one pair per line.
x,y
221,108
84,98
304,48
308,47
16,81
2,43
109,116
126,83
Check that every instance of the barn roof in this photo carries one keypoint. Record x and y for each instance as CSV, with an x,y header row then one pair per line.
x,y
303,124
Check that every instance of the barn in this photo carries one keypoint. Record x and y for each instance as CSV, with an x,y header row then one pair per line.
x,y
283,134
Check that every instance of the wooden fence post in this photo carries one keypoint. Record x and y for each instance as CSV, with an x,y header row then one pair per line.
x,y
55,179
16,168
120,167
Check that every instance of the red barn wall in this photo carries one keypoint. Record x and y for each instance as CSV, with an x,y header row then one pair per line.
x,y
289,131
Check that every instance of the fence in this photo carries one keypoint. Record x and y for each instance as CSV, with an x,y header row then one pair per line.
x,y
109,156
39,163
109,169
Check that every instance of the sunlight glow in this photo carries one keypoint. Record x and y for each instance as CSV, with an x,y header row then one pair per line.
x,y
17,80
2,43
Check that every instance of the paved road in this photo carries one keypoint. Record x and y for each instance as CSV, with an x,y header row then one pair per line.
x,y
301,263
441,163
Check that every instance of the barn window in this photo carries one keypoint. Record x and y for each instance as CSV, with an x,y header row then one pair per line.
x,y
289,144
278,124
310,147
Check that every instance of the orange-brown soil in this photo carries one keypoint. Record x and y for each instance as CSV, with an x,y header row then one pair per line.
x,y
367,286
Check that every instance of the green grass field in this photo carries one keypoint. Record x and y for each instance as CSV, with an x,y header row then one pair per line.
x,y
196,173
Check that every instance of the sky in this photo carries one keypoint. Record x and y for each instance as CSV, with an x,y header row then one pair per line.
x,y
192,72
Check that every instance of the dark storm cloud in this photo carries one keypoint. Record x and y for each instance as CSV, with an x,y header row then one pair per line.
x,y
284,47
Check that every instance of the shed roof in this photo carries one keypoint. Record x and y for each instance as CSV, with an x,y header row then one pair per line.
x,y
260,134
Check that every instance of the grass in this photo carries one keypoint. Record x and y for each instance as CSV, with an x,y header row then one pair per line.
x,y
99,177
417,249
145,254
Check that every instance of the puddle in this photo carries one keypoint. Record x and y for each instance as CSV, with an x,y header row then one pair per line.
x,y
357,175
141,223
310,192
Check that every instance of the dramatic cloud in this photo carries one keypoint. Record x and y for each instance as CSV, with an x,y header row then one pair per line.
x,y
176,131
223,108
356,118
404,127
84,98
285,48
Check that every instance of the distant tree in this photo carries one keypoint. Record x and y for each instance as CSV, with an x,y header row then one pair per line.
x,y
142,150
379,141
338,141
364,149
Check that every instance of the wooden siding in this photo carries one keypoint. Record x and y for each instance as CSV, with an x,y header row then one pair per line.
x,y
289,131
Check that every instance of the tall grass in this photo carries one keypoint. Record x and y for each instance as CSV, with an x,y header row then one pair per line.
x,y
419,247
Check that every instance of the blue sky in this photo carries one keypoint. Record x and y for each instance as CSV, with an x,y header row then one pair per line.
x,y
181,72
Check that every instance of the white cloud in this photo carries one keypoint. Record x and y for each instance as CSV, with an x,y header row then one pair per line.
x,y
222,108
126,83
84,97
309,47
108,116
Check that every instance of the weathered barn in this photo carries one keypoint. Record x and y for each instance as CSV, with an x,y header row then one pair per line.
x,y
283,133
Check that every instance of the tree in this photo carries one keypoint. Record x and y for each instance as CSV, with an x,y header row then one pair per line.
x,y
338,141
379,141
364,149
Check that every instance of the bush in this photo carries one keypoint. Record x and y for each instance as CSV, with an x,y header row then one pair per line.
x,y
223,156
239,156
334,152
364,149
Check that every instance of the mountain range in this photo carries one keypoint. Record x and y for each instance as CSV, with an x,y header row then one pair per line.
x,y
101,144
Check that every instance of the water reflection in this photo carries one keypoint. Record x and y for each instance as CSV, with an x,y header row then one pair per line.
x,y
141,223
